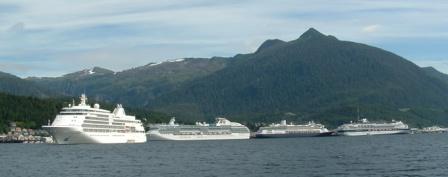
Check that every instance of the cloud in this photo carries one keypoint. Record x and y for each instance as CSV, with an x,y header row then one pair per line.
x,y
8,8
58,33
14,67
18,27
371,28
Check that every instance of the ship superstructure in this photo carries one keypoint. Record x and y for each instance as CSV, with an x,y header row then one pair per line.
x,y
78,124
222,129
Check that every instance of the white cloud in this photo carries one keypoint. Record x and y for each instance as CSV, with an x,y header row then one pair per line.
x,y
17,28
142,31
371,28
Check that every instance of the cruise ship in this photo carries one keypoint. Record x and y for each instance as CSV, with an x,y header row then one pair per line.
x,y
434,129
292,130
222,129
364,127
80,124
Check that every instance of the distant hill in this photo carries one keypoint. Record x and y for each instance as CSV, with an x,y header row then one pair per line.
x,y
136,86
14,85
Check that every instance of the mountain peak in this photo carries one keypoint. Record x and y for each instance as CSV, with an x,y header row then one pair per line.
x,y
311,33
87,72
429,68
270,43
97,69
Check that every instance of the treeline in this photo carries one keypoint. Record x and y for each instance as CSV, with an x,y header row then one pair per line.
x,y
31,112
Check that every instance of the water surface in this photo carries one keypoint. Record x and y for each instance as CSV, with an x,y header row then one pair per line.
x,y
393,155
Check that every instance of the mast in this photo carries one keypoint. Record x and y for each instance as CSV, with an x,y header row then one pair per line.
x,y
83,99
358,113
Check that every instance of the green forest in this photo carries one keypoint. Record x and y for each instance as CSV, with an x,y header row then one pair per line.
x,y
32,112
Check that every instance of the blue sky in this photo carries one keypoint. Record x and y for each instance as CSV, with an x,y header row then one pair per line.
x,y
55,37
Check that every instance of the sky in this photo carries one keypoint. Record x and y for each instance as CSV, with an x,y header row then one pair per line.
x,y
55,37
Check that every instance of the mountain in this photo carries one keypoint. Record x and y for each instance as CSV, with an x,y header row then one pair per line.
x,y
313,77
137,86
269,43
432,72
17,86
73,84
87,73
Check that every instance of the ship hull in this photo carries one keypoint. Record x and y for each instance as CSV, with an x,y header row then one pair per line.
x,y
75,135
155,136
364,133
291,135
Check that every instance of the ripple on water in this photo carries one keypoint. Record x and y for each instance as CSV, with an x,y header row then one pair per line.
x,y
332,156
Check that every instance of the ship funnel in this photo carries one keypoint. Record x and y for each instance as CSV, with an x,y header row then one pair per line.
x,y
222,121
283,122
119,111
172,120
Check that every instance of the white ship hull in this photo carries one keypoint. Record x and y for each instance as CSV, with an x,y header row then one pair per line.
x,y
291,135
363,133
155,136
75,135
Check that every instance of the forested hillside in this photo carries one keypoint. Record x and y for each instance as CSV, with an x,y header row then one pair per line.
x,y
315,77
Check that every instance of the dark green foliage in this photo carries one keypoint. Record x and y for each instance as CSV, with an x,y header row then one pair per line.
x,y
31,112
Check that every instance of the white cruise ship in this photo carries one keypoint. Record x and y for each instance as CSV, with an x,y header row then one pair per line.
x,y
222,129
292,130
364,127
79,124
434,129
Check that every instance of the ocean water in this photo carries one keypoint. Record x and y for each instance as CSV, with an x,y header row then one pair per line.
x,y
390,155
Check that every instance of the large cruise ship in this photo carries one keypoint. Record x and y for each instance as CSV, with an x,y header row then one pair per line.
x,y
364,127
292,130
79,124
222,129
